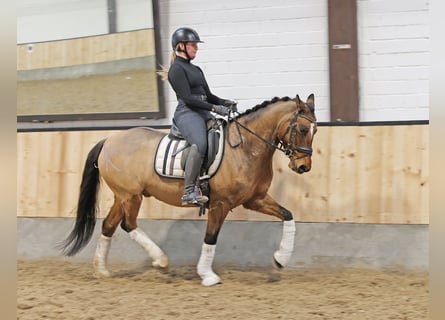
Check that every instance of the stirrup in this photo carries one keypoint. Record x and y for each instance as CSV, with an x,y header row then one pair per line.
x,y
192,198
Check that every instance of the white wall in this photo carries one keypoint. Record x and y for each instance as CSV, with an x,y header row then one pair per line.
x,y
134,14
47,20
394,50
255,49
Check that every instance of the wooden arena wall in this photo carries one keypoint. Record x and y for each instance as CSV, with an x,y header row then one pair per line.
x,y
360,174
87,50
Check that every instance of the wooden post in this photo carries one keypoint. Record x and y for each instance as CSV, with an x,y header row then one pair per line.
x,y
343,60
112,21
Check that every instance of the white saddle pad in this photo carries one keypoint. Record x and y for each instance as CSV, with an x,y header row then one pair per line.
x,y
169,153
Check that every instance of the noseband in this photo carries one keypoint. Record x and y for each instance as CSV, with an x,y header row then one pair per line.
x,y
284,147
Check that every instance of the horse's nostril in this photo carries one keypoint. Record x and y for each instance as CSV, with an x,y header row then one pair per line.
x,y
303,168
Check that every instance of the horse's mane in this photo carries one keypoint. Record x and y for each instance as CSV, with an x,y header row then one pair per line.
x,y
264,104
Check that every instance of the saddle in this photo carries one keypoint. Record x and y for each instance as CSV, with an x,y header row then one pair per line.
x,y
172,152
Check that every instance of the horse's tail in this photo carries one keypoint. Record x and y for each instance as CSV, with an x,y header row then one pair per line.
x,y
87,207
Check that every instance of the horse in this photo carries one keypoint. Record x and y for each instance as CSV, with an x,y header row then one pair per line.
x,y
123,161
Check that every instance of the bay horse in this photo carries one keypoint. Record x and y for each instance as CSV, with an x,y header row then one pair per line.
x,y
125,161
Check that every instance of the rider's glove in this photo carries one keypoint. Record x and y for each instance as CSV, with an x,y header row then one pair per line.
x,y
222,110
232,105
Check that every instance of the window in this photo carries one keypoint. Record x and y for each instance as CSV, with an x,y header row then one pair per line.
x,y
86,59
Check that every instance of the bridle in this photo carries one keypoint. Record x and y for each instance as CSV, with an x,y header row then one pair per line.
x,y
292,129
284,147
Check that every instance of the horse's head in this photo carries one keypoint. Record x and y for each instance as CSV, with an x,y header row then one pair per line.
x,y
297,136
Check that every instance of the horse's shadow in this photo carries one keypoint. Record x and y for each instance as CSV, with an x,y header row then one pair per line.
x,y
145,269
247,275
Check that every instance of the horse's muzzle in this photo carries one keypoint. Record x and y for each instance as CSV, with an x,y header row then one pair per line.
x,y
303,168
299,168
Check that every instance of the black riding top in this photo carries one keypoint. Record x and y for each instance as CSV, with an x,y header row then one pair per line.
x,y
188,81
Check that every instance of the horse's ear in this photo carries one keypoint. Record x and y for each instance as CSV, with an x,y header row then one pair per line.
x,y
298,99
310,102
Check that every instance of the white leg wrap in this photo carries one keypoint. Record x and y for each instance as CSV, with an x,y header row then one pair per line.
x,y
204,267
101,256
155,253
283,255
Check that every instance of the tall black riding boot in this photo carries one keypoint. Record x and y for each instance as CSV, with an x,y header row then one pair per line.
x,y
192,169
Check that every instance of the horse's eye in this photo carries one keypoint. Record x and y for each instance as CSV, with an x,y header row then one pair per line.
x,y
304,130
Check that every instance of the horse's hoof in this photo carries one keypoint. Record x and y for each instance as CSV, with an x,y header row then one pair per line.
x,y
102,274
100,270
211,281
277,264
162,262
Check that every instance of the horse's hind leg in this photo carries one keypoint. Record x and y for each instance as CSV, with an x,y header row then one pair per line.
x,y
129,224
109,225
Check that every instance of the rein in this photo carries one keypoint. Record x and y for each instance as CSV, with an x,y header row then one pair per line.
x,y
238,124
288,150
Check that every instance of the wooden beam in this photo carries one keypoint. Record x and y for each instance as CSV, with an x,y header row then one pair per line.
x,y
112,17
343,60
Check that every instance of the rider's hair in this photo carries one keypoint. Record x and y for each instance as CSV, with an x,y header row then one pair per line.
x,y
163,73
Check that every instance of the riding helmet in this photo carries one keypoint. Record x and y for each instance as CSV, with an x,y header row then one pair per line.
x,y
184,35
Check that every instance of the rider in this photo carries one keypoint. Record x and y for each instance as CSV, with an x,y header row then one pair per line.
x,y
195,102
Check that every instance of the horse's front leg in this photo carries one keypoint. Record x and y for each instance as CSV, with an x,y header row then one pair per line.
x,y
216,217
268,205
